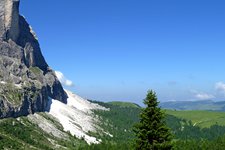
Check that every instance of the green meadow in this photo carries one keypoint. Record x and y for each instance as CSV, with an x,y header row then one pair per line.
x,y
203,119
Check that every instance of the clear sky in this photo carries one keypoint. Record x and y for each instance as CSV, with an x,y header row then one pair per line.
x,y
118,49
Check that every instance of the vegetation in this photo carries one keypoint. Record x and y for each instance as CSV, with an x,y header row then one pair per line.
x,y
124,104
217,144
208,105
187,134
11,93
152,132
36,70
22,134
203,119
118,123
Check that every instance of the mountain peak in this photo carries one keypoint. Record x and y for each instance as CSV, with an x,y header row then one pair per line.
x,y
26,80
9,16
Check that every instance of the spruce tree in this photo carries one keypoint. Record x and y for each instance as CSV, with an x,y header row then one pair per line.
x,y
151,132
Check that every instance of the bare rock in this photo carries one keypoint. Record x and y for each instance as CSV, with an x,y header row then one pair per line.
x,y
26,80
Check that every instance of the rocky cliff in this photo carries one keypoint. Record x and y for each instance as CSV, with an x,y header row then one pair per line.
x,y
26,81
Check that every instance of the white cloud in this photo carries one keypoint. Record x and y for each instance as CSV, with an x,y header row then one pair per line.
x,y
220,87
63,79
204,96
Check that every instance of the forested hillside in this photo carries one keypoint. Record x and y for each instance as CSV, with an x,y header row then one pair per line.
x,y
187,133
208,105
118,127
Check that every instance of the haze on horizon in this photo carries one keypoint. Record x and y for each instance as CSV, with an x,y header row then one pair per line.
x,y
117,50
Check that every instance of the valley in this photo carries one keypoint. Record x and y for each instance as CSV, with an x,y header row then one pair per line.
x,y
113,128
113,50
194,105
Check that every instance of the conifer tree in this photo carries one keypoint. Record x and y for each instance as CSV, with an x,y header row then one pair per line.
x,y
151,132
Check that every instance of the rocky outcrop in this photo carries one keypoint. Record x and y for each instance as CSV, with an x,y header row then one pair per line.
x,y
26,81
9,19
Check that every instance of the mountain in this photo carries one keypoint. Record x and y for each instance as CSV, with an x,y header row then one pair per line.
x,y
124,104
30,88
63,126
79,124
37,113
194,105
201,118
26,80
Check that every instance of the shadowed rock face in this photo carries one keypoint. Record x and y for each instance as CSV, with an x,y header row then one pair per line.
x,y
26,81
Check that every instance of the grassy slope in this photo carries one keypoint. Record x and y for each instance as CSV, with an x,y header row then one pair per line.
x,y
118,121
200,118
22,134
124,104
194,105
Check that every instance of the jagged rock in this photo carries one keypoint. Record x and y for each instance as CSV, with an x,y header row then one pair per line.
x,y
9,16
26,81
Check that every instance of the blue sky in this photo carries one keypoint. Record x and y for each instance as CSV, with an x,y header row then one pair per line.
x,y
118,49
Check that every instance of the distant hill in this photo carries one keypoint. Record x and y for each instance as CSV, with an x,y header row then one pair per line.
x,y
194,105
124,104
115,128
203,119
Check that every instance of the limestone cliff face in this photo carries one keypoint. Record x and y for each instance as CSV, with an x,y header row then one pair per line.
x,y
26,81
9,16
